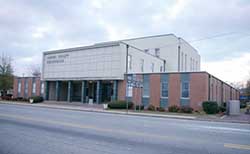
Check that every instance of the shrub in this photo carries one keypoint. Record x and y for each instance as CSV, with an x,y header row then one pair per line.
x,y
139,107
120,105
186,109
19,99
210,107
243,105
6,98
161,109
151,107
173,108
222,109
36,99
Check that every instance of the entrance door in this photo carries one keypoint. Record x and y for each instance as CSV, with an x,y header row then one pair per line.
x,y
107,91
91,91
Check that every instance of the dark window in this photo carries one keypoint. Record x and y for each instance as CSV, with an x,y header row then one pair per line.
x,y
185,90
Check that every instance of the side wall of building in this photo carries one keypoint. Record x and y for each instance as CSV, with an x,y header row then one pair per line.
x,y
181,89
141,62
172,49
26,87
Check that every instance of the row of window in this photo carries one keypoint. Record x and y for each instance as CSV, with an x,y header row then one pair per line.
x,y
152,67
19,87
193,63
164,90
156,51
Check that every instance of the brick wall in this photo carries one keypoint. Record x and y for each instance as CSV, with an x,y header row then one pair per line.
x,y
174,89
15,88
121,90
29,80
198,89
155,89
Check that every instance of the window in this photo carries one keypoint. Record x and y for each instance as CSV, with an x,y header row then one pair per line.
x,y
182,61
130,62
164,89
146,89
19,87
185,62
130,91
42,88
34,87
191,60
185,90
142,65
196,65
152,67
26,87
193,65
157,52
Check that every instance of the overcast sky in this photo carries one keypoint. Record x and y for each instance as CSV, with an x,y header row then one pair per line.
x,y
27,28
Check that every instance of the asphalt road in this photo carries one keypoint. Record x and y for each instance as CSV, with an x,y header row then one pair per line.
x,y
36,130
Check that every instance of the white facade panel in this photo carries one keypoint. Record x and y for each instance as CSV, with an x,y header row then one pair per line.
x,y
105,62
137,56
108,61
191,58
167,45
168,48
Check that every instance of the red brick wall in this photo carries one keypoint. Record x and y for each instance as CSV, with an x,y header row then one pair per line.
x,y
137,92
22,87
198,90
174,89
30,82
122,90
15,87
30,86
155,89
38,86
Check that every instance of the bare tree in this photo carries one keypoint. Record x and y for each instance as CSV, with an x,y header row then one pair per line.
x,y
35,70
5,65
6,74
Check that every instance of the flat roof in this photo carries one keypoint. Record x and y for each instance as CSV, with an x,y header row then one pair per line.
x,y
103,44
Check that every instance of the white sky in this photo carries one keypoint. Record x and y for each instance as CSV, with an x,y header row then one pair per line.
x,y
29,27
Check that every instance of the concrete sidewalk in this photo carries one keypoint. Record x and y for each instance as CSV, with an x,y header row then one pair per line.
x,y
95,108
99,108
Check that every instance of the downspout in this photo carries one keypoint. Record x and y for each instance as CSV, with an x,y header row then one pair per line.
x,y
164,65
209,97
179,51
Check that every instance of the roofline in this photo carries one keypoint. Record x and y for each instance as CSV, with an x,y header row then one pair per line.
x,y
82,48
27,77
136,38
142,51
189,45
104,44
175,72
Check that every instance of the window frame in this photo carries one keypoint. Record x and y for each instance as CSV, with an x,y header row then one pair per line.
x,y
19,87
165,82
129,61
152,67
157,52
142,65
188,90
34,88
42,88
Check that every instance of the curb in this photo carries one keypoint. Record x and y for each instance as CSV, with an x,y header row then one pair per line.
x,y
125,113
104,111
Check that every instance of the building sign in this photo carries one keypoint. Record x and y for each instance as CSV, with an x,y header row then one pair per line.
x,y
56,59
132,81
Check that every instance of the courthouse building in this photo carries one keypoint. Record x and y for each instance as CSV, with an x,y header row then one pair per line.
x,y
167,66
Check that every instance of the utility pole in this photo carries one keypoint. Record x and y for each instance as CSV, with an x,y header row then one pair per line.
x,y
127,46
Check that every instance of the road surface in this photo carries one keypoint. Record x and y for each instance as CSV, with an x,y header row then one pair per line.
x,y
37,130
